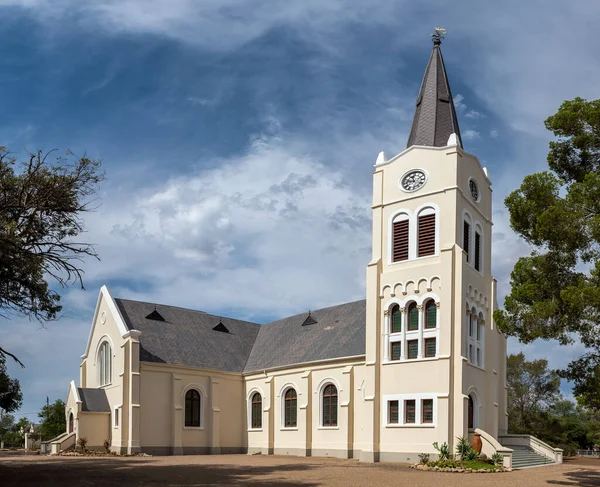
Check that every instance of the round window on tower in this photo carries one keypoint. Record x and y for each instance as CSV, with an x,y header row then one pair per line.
x,y
413,180
474,190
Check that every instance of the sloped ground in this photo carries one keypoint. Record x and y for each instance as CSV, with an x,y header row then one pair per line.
x,y
268,471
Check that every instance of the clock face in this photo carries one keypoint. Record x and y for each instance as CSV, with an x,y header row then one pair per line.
x,y
474,190
413,180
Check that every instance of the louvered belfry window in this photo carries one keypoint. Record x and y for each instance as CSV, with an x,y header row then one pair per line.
x,y
466,238
426,235
477,251
400,240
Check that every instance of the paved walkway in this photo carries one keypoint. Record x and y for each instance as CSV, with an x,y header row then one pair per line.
x,y
271,471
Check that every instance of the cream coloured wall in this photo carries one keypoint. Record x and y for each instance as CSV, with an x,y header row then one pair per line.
x,y
95,428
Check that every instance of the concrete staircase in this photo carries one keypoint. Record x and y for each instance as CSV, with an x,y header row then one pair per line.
x,y
524,457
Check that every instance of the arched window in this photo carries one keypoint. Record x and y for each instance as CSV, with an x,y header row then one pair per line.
x,y
477,262
400,237
71,423
290,409
396,325
104,364
426,233
192,408
430,314
330,403
467,237
413,317
256,413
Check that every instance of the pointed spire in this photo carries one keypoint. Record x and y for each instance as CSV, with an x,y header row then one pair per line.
x,y
435,116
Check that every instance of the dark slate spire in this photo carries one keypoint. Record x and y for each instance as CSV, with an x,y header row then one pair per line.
x,y
435,116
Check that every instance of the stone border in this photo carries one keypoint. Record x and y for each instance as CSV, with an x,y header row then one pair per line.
x,y
420,466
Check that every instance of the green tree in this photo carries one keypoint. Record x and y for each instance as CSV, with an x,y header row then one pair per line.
x,y
532,390
11,397
555,292
53,419
41,203
7,422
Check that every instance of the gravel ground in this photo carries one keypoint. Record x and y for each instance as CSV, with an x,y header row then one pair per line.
x,y
271,471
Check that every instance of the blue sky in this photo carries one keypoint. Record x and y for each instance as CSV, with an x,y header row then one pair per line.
x,y
238,139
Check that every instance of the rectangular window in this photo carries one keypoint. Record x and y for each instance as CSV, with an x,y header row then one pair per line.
x,y
400,241
430,347
409,412
396,320
393,412
116,417
479,356
471,357
396,350
413,317
427,411
477,251
413,348
426,235
466,238
478,332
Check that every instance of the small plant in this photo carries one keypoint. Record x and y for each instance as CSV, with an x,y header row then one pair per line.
x,y
106,445
497,459
462,446
82,442
424,458
443,450
445,464
471,454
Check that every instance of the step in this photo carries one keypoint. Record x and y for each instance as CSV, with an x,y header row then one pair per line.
x,y
524,457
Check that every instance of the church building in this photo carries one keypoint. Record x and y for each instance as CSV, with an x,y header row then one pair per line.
x,y
418,361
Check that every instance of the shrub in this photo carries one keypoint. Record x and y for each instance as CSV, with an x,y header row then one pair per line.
x,y
424,458
106,445
462,446
471,454
497,459
443,450
82,442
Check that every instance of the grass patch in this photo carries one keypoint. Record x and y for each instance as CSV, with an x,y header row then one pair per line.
x,y
478,464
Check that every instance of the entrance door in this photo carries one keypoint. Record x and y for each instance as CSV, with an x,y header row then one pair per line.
x,y
470,413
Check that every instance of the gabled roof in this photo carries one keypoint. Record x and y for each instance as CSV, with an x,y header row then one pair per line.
x,y
93,400
188,337
338,331
435,116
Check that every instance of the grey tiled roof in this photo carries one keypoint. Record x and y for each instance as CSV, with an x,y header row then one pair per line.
x,y
338,332
435,116
186,337
93,400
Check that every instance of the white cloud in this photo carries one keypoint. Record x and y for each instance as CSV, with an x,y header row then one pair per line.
x,y
494,134
458,102
474,114
470,134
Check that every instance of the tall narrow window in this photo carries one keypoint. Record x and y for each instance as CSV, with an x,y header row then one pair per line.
x,y
330,403
256,412
290,407
192,408
400,239
430,314
104,364
396,319
396,350
470,414
427,411
393,412
466,237
477,251
409,411
413,317
426,235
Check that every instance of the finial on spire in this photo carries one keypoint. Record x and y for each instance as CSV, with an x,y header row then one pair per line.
x,y
438,35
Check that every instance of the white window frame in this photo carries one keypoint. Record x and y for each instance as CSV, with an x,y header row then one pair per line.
x,y
475,338
104,363
404,336
200,391
402,398
284,390
478,230
467,218
262,399
117,416
324,384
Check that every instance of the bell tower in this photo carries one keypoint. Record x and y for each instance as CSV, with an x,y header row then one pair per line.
x,y
431,347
